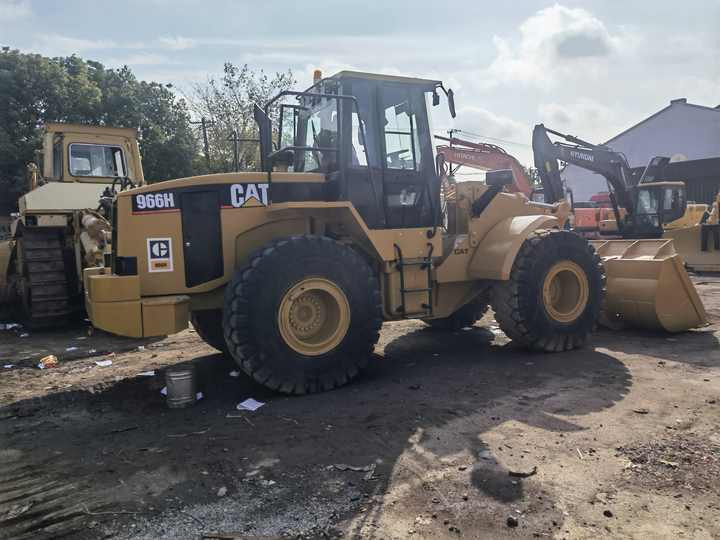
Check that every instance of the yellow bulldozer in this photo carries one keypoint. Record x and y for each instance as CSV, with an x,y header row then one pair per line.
x,y
292,269
61,227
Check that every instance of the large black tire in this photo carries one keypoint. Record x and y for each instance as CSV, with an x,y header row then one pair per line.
x,y
254,301
208,325
467,315
524,305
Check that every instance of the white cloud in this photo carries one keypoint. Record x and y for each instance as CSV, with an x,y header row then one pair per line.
x,y
59,45
599,121
11,10
176,43
554,42
141,59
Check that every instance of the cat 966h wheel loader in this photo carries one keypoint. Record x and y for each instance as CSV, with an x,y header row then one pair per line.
x,y
293,269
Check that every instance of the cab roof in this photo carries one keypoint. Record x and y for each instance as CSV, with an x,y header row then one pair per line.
x,y
387,78
61,127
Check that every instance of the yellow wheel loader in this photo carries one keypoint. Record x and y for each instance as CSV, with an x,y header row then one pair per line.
x,y
292,270
61,228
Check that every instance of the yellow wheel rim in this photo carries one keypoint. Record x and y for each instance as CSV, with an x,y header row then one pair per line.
x,y
565,291
314,316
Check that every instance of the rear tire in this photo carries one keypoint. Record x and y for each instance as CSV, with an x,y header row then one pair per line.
x,y
304,315
467,315
553,298
208,325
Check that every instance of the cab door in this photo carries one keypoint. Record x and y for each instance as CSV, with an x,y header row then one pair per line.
x,y
409,178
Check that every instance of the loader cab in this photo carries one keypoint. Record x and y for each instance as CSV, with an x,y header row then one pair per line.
x,y
369,135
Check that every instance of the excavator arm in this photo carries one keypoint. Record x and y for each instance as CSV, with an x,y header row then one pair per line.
x,y
600,159
483,156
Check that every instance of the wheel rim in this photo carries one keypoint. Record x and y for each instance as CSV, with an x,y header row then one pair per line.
x,y
314,316
565,291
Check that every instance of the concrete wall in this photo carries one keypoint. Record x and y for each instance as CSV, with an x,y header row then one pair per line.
x,y
681,128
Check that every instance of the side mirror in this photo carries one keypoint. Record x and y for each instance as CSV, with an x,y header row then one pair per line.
x,y
451,102
435,99
499,178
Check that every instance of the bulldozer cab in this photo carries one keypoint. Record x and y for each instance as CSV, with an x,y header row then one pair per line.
x,y
369,135
90,154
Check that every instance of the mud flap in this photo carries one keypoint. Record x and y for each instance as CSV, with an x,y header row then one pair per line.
x,y
648,287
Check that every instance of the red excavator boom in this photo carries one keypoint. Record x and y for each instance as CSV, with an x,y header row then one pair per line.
x,y
483,156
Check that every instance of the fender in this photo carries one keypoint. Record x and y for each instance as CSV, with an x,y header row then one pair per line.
x,y
496,252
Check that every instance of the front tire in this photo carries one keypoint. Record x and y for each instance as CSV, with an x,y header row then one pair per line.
x,y
304,315
208,325
553,298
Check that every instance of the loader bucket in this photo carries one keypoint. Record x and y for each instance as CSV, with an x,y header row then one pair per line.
x,y
648,287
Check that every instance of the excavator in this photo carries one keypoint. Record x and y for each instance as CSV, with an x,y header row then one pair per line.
x,y
644,204
643,207
489,157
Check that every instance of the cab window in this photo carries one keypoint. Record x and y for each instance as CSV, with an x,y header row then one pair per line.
x,y
96,160
402,146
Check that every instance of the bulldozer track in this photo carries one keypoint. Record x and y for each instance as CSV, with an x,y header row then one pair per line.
x,y
50,293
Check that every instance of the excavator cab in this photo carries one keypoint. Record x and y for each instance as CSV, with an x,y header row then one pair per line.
x,y
369,135
657,203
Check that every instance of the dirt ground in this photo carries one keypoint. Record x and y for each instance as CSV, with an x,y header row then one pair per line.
x,y
448,435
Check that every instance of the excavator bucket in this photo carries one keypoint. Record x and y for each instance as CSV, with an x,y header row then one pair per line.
x,y
648,287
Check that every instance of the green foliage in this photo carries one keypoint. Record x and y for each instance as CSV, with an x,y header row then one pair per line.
x,y
35,89
227,104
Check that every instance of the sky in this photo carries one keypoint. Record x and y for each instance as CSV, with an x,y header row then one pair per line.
x,y
590,68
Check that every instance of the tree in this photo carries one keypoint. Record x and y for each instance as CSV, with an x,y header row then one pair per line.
x,y
227,105
35,89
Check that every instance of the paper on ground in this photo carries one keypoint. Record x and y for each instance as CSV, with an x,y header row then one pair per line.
x,y
249,404
103,363
146,374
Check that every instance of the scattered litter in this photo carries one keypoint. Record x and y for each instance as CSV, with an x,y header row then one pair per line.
x,y
199,396
222,491
641,411
81,337
9,366
141,348
103,363
146,374
92,351
9,326
234,373
25,334
343,467
608,513
249,404
518,474
70,349
49,361
369,475
580,453
164,391
268,483
671,464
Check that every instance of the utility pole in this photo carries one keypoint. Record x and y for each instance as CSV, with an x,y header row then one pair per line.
x,y
236,149
204,124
